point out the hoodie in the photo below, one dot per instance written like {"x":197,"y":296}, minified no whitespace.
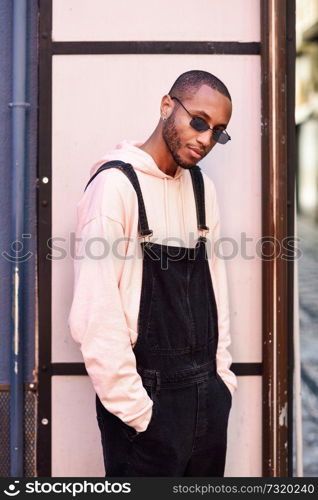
{"x":108,"y":272}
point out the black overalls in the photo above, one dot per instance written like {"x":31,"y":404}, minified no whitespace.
{"x":176,"y":359}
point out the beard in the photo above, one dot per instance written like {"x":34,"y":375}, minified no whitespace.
{"x":173,"y":142}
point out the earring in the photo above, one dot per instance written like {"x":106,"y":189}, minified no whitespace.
{"x":163,"y":118}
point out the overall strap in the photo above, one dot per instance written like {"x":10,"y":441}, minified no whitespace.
{"x":128,"y":170}
{"x":198,"y":188}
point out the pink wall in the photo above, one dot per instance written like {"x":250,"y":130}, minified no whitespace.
{"x":86,"y":91}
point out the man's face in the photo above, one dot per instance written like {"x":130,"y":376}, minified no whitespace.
{"x":186,"y":145}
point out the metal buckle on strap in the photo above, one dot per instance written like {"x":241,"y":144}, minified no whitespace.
{"x":146,"y":237}
{"x":204,"y":229}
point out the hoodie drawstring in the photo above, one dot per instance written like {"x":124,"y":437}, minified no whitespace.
{"x":166,"y":202}
{"x":183,"y":209}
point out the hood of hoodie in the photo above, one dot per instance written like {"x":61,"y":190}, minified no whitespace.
{"x":129,"y":152}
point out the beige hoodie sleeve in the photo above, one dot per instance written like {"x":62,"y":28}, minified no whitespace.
{"x":223,"y":356}
{"x":97,"y":323}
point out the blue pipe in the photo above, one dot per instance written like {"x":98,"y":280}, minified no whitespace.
{"x":19,"y":107}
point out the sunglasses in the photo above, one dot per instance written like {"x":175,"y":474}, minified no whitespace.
{"x":200,"y":125}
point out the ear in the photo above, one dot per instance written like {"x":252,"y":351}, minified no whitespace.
{"x":166,"y":107}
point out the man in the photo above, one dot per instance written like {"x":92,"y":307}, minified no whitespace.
{"x":150,"y":307}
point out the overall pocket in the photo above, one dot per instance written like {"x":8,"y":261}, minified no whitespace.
{"x":224,"y":386}
{"x":131,"y":432}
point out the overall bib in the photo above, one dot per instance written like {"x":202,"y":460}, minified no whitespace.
{"x":176,"y":359}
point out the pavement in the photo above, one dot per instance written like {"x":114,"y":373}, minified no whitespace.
{"x":308,"y":317}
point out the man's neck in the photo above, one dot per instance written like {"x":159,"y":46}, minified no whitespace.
{"x":156,"y":147}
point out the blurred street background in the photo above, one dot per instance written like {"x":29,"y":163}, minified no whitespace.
{"x":307,"y":221}
{"x":308,"y":315}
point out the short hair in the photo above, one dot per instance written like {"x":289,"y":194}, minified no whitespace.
{"x":187,"y":84}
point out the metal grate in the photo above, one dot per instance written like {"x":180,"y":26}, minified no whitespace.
{"x":30,"y":410}
{"x":4,"y":433}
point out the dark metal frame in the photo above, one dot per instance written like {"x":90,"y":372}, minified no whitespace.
{"x":164,"y":47}
{"x":291,"y":186}
{"x":47,"y":49}
{"x":79,"y":369}
{"x":44,"y":211}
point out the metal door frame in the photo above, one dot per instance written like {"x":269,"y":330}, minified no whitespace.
{"x":277,"y":459}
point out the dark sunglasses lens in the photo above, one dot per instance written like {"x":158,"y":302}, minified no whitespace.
{"x":221,"y":136}
{"x":199,"y":124}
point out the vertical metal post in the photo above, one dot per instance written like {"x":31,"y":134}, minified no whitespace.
{"x":275,"y":192}
{"x":291,"y":225}
{"x":19,"y":107}
{"x":44,"y":197}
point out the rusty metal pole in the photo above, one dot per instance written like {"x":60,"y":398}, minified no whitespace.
{"x":275,"y":230}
